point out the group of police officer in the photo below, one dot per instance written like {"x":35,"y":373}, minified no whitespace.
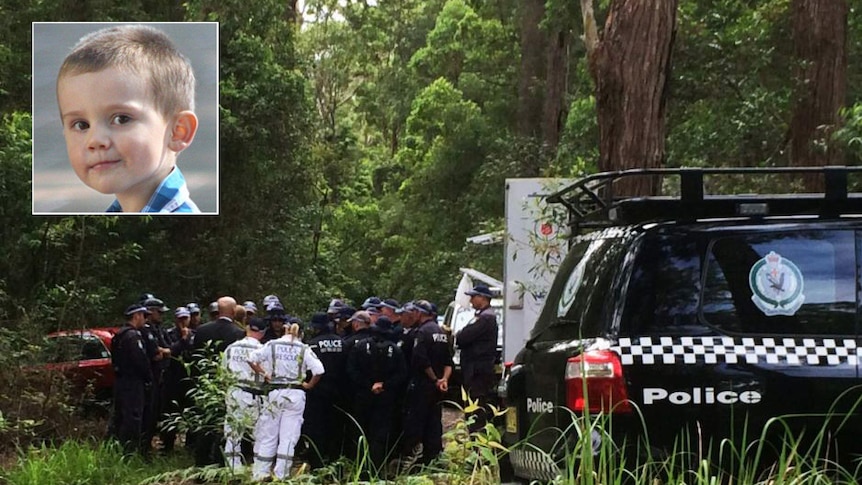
{"x":379,"y":372}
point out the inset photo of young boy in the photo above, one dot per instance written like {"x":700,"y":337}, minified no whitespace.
{"x":125,"y":118}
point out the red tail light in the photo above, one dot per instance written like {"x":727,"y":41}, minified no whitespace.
{"x":595,"y":379}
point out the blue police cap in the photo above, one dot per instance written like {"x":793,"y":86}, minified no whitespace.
{"x":335,"y":306}
{"x":257,"y":324}
{"x":383,"y":323}
{"x":137,"y":307}
{"x":371,"y":302}
{"x":421,"y":306}
{"x":346,"y":312}
{"x":481,"y":290}
{"x":319,"y":321}
{"x":390,"y":303}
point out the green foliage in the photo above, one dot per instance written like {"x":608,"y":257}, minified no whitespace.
{"x":208,"y":395}
{"x":445,"y":145}
{"x":474,"y":54}
{"x":731,"y":84}
{"x":15,"y":163}
{"x":850,"y":135}
{"x":473,"y":456}
{"x":83,"y":462}
{"x":40,"y":405}
{"x":578,"y":149}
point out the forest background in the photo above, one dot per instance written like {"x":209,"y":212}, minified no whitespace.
{"x":362,"y":142}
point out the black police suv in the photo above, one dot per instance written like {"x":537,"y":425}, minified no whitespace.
{"x":694,"y":313}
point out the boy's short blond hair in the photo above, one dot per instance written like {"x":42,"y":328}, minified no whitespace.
{"x":143,"y":50}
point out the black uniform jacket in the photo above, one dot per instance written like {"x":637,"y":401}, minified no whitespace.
{"x":430,"y":350}
{"x":129,"y":356}
{"x":376,"y":359}
{"x":329,"y":348}
{"x":478,"y":340}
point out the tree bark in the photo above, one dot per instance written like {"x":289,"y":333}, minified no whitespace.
{"x":554,"y":111}
{"x":630,"y":65}
{"x":820,"y":45}
{"x":531,"y":73}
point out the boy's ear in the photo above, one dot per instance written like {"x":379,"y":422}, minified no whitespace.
{"x":183,"y":131}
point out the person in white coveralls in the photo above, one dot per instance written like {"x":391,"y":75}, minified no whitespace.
{"x":283,"y":363}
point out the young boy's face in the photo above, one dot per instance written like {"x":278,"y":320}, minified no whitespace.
{"x":115,"y":137}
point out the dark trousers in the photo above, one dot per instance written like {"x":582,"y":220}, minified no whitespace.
{"x":423,"y":419}
{"x":374,"y":414}
{"x":174,"y":399}
{"x":320,"y":425}
{"x":152,"y":409}
{"x":479,"y":383}
{"x":130,"y":397}
{"x":208,"y":448}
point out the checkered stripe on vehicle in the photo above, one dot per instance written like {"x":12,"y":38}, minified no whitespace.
{"x":534,"y":464}
{"x":735,"y":350}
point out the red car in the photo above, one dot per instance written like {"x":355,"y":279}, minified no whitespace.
{"x":84,"y":356}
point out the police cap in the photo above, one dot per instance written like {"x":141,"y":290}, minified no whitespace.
{"x":319,"y":321}
{"x":137,"y":307}
{"x":371,"y":302}
{"x":257,"y":324}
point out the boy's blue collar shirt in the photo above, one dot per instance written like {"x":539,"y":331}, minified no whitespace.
{"x":172,"y":195}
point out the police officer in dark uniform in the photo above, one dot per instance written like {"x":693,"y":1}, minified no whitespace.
{"x":361,"y":325}
{"x":194,"y":316}
{"x":323,"y":419}
{"x":134,"y":378}
{"x":478,"y":344}
{"x":333,"y":311}
{"x":391,"y":309}
{"x":377,"y":370}
{"x":158,"y":351}
{"x":215,"y":336}
{"x":430,"y":368}
{"x":341,"y":321}
{"x":410,"y":320}
{"x":276,"y":318}
{"x":175,"y":378}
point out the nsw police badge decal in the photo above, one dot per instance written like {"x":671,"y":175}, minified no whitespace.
{"x":776,"y":285}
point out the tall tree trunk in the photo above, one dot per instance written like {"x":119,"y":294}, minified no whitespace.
{"x":820,"y":45}
{"x":554,"y":112}
{"x":292,"y":12}
{"x":531,"y":73}
{"x":630,"y":64}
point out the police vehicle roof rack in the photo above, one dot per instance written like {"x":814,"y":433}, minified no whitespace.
{"x":592,"y":204}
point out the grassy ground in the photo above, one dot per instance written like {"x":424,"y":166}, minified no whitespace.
{"x":95,"y":463}
{"x":468,"y":458}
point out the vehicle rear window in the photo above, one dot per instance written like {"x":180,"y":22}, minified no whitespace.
{"x":576,"y":303}
{"x":782,"y":283}
{"x":664,"y":289}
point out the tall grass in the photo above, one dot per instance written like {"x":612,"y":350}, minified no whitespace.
{"x":774,"y":455}
{"x":778,"y":454}
{"x":83,"y":463}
